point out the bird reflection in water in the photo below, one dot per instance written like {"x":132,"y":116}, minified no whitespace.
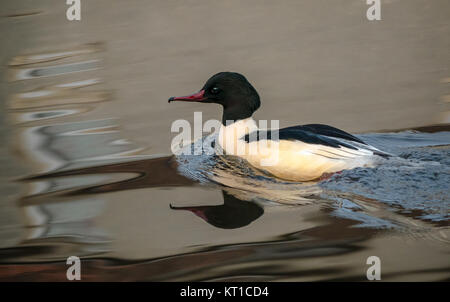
{"x":232,"y":214}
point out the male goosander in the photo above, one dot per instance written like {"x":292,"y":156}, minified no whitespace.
{"x":303,"y":153}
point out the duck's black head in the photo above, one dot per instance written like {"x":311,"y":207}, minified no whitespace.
{"x":231,"y":90}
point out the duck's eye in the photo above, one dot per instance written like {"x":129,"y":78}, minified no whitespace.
{"x":214,"y":90}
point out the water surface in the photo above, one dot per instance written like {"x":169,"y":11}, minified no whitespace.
{"x":86,"y":162}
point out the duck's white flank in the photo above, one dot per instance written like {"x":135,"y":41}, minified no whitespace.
{"x":291,"y":159}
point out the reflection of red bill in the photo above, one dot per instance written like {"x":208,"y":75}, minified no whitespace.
{"x":199,"y":211}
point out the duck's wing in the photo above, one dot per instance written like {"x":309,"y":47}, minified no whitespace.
{"x":326,"y":130}
{"x":323,"y":135}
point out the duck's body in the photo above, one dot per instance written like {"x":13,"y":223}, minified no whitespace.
{"x":298,"y":153}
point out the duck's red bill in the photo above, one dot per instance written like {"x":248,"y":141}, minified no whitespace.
{"x":196,"y":97}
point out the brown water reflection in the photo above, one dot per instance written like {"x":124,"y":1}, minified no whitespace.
{"x":85,"y":132}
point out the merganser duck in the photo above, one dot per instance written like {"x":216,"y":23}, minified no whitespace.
{"x":302,"y":153}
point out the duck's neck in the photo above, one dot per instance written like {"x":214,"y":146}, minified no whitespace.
{"x":243,"y":126}
{"x":230,"y":136}
{"x":235,"y":114}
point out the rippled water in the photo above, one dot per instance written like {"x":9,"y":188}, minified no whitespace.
{"x":255,"y":228}
{"x":76,"y":180}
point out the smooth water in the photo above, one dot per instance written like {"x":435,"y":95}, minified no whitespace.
{"x":87,"y":169}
